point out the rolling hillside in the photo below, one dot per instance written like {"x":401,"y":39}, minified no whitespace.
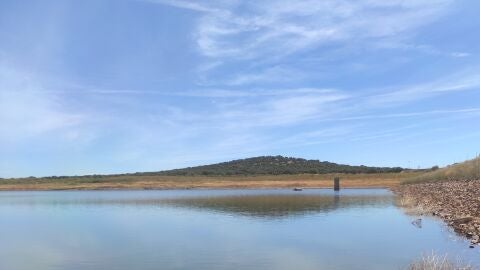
{"x":257,"y":172}
{"x":275,"y":165}
{"x":465,"y":171}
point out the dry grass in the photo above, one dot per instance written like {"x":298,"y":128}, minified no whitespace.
{"x":436,"y":262}
{"x":192,"y":182}
{"x":468,"y":170}
{"x":410,"y":205}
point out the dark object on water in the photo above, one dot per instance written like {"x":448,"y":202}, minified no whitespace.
{"x":417,"y":223}
{"x":471,"y":246}
{"x":297,"y":189}
{"x":336,"y":184}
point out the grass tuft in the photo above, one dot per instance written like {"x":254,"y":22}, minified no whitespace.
{"x":410,"y":205}
{"x":436,"y":262}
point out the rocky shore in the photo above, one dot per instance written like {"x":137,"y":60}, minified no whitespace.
{"x":456,"y":202}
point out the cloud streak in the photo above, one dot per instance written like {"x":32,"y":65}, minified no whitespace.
{"x":27,"y":110}
{"x":466,"y":80}
{"x":284,"y":27}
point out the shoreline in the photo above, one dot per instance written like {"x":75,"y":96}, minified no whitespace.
{"x":457,"y":203}
{"x":199,"y":188}
{"x":305,"y":181}
{"x":227,"y":186}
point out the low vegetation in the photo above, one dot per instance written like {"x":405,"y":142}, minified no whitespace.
{"x":191,"y":182}
{"x":257,"y":172}
{"x":465,"y":171}
{"x":436,"y":262}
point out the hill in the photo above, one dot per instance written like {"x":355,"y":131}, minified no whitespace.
{"x":275,"y":165}
{"x":257,"y":172}
{"x":465,"y":171}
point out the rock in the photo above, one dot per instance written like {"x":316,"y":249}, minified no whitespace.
{"x":462,"y":221}
{"x":456,"y":202}
{"x":475,"y":239}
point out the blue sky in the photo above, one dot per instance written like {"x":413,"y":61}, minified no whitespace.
{"x":110,"y":86}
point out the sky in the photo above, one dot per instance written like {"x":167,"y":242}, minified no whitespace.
{"x":116,"y":86}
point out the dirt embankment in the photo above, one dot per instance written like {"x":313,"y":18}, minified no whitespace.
{"x":457,"y":202}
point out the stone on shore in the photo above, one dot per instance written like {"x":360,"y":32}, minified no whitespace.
{"x":456,"y":202}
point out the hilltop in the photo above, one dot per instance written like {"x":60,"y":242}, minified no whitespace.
{"x":275,"y":165}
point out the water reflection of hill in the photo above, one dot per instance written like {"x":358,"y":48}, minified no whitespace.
{"x":269,"y":205}
{"x":279,"y":205}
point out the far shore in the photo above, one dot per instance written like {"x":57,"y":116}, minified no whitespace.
{"x":132,"y":182}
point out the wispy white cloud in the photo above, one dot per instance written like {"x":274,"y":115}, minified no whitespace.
{"x":467,"y":111}
{"x":323,"y":135}
{"x":189,"y":5}
{"x":282,"y":27}
{"x":226,"y":93}
{"x":264,"y":33}
{"x":276,"y":74}
{"x":279,"y":110}
{"x":27,"y":110}
{"x":29,"y":115}
{"x":272,"y":27}
{"x":199,"y":93}
{"x":400,"y":44}
{"x":460,"y":54}
{"x":464,"y":80}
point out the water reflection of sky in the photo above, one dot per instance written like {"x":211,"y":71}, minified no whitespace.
{"x":265,"y":229}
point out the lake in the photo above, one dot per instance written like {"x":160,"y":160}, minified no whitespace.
{"x":216,"y":229}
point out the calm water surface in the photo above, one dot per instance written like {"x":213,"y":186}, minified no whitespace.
{"x":215,"y":229}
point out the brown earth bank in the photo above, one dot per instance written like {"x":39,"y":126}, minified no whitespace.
{"x":377,"y":180}
{"x":456,"y":202}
